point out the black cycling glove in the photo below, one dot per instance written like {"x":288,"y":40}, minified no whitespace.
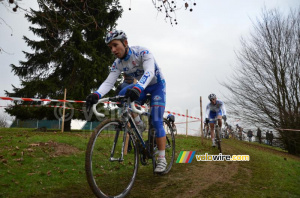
{"x":133,"y":94}
{"x":91,"y":100}
{"x":206,"y":120}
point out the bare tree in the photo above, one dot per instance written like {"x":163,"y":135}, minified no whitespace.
{"x":265,"y":89}
{"x":11,"y":6}
{"x":169,"y":7}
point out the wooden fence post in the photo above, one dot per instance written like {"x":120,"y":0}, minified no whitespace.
{"x":64,"y":111}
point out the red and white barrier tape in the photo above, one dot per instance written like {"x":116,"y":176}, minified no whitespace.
{"x":178,"y":114}
{"x":188,"y":122}
{"x":54,"y":106}
{"x":38,"y":100}
{"x":76,"y":101}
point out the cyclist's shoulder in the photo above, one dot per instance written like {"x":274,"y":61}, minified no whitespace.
{"x":208,"y":105}
{"x":139,"y":50}
{"x":220,"y":102}
{"x":116,"y":63}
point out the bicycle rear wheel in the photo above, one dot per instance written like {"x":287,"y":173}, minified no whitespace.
{"x":107,"y":174}
{"x":170,"y":145}
{"x":218,"y":138}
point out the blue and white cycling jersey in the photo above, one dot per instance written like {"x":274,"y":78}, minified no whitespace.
{"x":213,"y":111}
{"x":140,"y":64}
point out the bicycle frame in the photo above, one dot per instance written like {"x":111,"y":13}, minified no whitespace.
{"x":127,"y":118}
{"x":217,"y":131}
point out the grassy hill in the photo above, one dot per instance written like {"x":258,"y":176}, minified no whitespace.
{"x":50,"y":164}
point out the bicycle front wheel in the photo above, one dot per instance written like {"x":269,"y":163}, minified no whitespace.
{"x":107,"y":173}
{"x":170,"y":145}
{"x":175,"y":129}
{"x":218,"y":137}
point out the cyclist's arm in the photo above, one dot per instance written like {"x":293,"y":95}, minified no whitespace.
{"x":149,"y":69}
{"x":207,"y":111}
{"x":108,"y":84}
{"x":223,"y":108}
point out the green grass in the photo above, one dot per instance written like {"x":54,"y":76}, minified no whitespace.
{"x":40,"y":171}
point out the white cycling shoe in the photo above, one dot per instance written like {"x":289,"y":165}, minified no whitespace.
{"x":213,"y":144}
{"x":161,"y":165}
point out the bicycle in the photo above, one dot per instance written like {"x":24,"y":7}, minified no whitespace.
{"x":110,"y":172}
{"x":217,"y":134}
{"x":173,"y":126}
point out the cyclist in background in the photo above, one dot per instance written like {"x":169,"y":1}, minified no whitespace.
{"x":171,"y":119}
{"x":239,"y":130}
{"x":214,"y":109}
{"x":139,"y":63}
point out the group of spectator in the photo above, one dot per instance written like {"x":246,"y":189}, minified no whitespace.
{"x":239,"y":131}
{"x":269,"y":136}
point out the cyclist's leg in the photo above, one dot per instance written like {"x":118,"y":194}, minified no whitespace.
{"x":219,"y":116}
{"x":212,"y":133}
{"x":157,"y":103}
{"x":212,"y":116}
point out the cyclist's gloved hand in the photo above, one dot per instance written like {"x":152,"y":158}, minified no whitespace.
{"x":206,"y":120}
{"x":224,"y":118}
{"x":91,"y":100}
{"x":133,"y":93}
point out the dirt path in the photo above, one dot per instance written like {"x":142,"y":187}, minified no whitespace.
{"x":197,"y":179}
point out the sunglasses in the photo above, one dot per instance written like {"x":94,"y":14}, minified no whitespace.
{"x":212,"y":99}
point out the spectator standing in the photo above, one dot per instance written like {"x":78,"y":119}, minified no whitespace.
{"x":271,"y":138}
{"x":250,"y":134}
{"x":259,"y":135}
{"x":268,"y":137}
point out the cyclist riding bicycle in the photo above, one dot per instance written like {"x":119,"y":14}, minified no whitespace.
{"x":171,"y":119}
{"x":214,"y":109}
{"x":138,"y":62}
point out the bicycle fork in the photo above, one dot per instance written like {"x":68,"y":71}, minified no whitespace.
{"x":121,"y":158}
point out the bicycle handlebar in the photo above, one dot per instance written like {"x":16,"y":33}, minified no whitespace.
{"x":134,"y":109}
{"x":95,"y":105}
{"x":132,"y":104}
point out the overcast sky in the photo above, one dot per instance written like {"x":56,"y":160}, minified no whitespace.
{"x":195,"y":55}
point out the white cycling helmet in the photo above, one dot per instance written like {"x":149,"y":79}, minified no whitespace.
{"x":212,"y":96}
{"x":115,"y":35}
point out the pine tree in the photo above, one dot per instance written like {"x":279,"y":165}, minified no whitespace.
{"x":71,"y":53}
